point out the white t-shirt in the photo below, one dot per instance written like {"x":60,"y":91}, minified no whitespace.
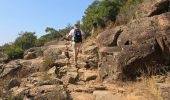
{"x":72,"y":33}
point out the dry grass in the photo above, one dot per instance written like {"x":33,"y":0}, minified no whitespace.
{"x":150,"y":83}
{"x":134,"y":97}
{"x":144,"y":89}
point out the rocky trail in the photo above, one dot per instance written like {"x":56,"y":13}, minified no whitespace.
{"x":60,"y":81}
{"x":34,"y":82}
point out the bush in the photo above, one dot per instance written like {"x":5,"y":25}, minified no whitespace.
{"x":14,"y":52}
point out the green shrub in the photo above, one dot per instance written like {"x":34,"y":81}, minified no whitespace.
{"x":14,"y":52}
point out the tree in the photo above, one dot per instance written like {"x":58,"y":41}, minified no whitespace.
{"x":26,"y":40}
{"x":52,"y":33}
{"x":99,"y":12}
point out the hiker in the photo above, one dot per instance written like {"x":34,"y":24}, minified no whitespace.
{"x":77,"y":35}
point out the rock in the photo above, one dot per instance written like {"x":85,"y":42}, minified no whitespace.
{"x":106,"y":95}
{"x":33,"y":53}
{"x":52,"y":71}
{"x":42,"y":78}
{"x":49,"y":92}
{"x":87,"y":75}
{"x":1,"y":67}
{"x":19,"y":92}
{"x":52,"y":53}
{"x":60,"y":62}
{"x":19,"y":68}
{"x":71,"y":77}
{"x":29,"y":55}
{"x":84,"y":89}
{"x":90,"y":50}
{"x":121,"y":90}
{"x":100,"y":87}
{"x":152,"y":7}
{"x":12,"y":68}
{"x":39,"y":64}
{"x":109,"y":37}
{"x":13,"y":83}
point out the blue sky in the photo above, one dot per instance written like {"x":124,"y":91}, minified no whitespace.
{"x":36,"y":15}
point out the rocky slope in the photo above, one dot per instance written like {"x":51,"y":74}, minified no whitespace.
{"x":141,"y":45}
{"x":121,"y":53}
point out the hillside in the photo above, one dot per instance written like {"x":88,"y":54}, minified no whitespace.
{"x":127,"y":60}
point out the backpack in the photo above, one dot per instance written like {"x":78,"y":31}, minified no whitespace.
{"x":78,"y":36}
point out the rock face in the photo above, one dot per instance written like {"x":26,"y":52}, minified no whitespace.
{"x":141,"y":46}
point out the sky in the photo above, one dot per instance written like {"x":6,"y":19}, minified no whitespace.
{"x":35,"y":15}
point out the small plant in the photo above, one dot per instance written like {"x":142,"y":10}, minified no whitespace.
{"x":151,"y":85}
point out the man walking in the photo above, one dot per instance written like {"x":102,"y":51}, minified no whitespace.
{"x":76,"y":33}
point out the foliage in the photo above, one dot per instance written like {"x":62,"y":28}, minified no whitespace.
{"x":66,"y":30}
{"x":52,"y":35}
{"x":99,"y":12}
{"x":14,"y":52}
{"x":40,"y":41}
{"x":26,"y":40}
{"x":127,"y":11}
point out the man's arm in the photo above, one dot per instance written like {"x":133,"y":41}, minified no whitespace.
{"x":69,"y":35}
